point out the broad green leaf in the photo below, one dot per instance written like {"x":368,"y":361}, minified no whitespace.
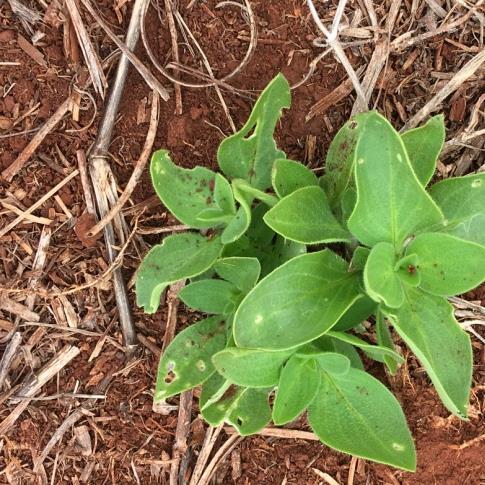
{"x":184,"y":192}
{"x":288,"y":176}
{"x":373,"y":350}
{"x":360,"y":311}
{"x":448,"y":265}
{"x":407,"y":268}
{"x":209,"y":296}
{"x":296,"y":303}
{"x":384,"y":339}
{"x":178,"y":257}
{"x":240,"y":222}
{"x":249,"y":154}
{"x":251,"y":412}
{"x":333,"y":363}
{"x":305,"y":217}
{"x":245,"y":408}
{"x":322,"y":352}
{"x":237,"y":226}
{"x":382,"y":282}
{"x":391,"y":203}
{"x":187,"y":361}
{"x":356,"y":414}
{"x":250,"y":367}
{"x":462,"y":200}
{"x":359,"y":258}
{"x":427,"y":325}
{"x":241,"y":272}
{"x":424,"y":145}
{"x":340,"y":161}
{"x":297,"y":387}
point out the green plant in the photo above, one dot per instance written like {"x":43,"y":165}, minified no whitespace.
{"x":286,"y":314}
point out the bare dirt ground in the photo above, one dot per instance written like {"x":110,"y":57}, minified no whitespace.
{"x":92,"y":420}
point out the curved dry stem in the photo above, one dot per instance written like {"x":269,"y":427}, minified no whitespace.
{"x":213,"y":81}
{"x":334,"y":43}
{"x":95,"y":112}
{"x":137,"y":171}
{"x":311,"y":70}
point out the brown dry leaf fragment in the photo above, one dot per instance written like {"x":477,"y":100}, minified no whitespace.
{"x":31,"y":51}
{"x":83,"y":440}
{"x":95,"y":380}
{"x":83,"y":224}
{"x":5,"y":123}
{"x":458,"y":108}
{"x":7,"y":35}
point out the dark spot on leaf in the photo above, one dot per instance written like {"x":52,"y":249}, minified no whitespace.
{"x":170,"y":377}
{"x":209,"y":200}
{"x":411,"y":269}
{"x":353,"y":125}
{"x":211,"y":184}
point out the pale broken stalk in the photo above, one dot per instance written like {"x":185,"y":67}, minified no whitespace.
{"x":333,"y":42}
{"x":103,"y":179}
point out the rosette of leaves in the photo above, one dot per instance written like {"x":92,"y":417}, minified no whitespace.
{"x":283,"y":333}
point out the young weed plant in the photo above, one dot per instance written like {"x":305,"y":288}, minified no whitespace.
{"x":286,"y":312}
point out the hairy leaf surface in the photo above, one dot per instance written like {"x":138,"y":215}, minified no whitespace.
{"x":288,"y":176}
{"x":462,"y":200}
{"x":249,"y":154}
{"x":305,"y":217}
{"x":244,"y":408}
{"x":333,"y":363}
{"x":178,"y":257}
{"x":250,"y":367}
{"x":391,"y":203}
{"x":298,"y":385}
{"x":241,"y":272}
{"x":427,"y":325}
{"x":381,"y":281}
{"x":187,"y":361}
{"x":240,"y":222}
{"x":423,"y":145}
{"x":184,"y":192}
{"x":377,"y":352}
{"x":296,"y":303}
{"x":340,"y":161}
{"x":209,"y":296}
{"x":356,"y":414}
{"x":448,"y":265}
